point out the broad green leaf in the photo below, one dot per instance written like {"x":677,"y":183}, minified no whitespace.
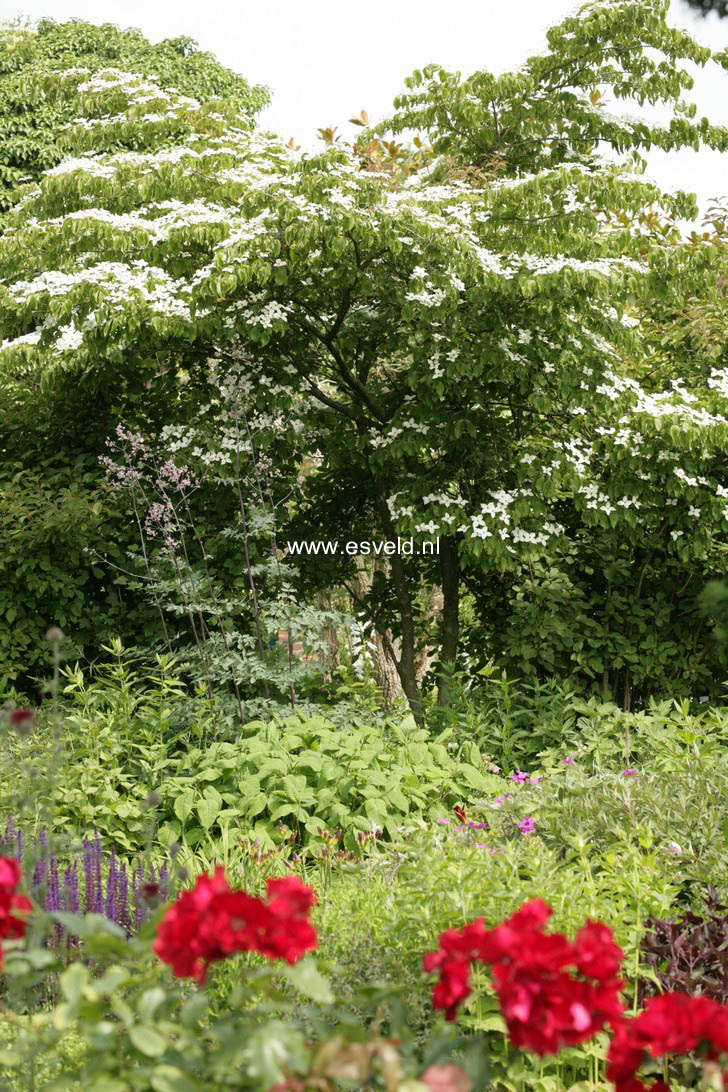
{"x":309,"y":981}
{"x":147,"y":1040}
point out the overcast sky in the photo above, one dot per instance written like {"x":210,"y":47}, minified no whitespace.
{"x":325,"y":60}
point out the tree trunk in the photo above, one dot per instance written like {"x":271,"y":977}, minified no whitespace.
{"x":331,"y":657}
{"x":450,"y":570}
{"x":385,"y":671}
{"x":432,"y":614}
{"x":383,"y":666}
{"x":406,"y":662}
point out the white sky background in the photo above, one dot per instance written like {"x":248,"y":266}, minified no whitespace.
{"x":325,"y":60}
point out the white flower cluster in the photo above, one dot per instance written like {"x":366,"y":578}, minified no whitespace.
{"x":408,"y":425}
{"x":595,"y":499}
{"x":688,"y":479}
{"x":158,"y":290}
{"x":433,"y":298}
{"x":718,"y":381}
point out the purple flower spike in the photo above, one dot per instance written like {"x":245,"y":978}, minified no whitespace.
{"x":123,"y":917}
{"x":110,"y":905}
{"x":140,"y":910}
{"x":53,"y":894}
{"x":164,"y":882}
{"x":89,"y":897}
{"x":71,"y":898}
{"x":98,"y":854}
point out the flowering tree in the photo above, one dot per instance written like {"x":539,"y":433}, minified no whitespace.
{"x":458,"y":338}
{"x":55,"y":510}
{"x":29,"y":124}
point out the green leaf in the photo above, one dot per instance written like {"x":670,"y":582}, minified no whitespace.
{"x":376,"y":809}
{"x":167,"y":1078}
{"x":183,"y":805}
{"x":193,"y":1010}
{"x":309,"y":981}
{"x":72,"y":982}
{"x":150,"y":1001}
{"x":147,"y":1040}
{"x":208,"y":809}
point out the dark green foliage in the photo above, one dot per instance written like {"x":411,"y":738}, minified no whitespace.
{"x":706,"y":7}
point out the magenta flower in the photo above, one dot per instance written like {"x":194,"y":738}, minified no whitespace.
{"x":519,"y":776}
{"x":628,"y":773}
{"x":442,"y":820}
{"x":568,"y":761}
{"x":527,"y":826}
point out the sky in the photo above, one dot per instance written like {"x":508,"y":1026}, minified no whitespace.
{"x":326,"y":60}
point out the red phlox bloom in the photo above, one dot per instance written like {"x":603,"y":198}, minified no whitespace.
{"x":453,"y":987}
{"x":597,"y":955}
{"x":12,"y":926}
{"x":674,"y":1023}
{"x":10,"y":874}
{"x":456,"y":950}
{"x":211,"y":922}
{"x":544,"y":1007}
{"x":14,"y":908}
{"x":545,"y":1011}
{"x":288,"y":897}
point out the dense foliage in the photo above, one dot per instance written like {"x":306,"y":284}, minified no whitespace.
{"x":278,"y":814}
{"x":490,"y":285}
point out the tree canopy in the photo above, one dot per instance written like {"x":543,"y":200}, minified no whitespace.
{"x":31,"y":115}
{"x":460,"y":339}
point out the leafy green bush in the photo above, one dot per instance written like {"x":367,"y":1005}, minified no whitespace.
{"x":307,"y":776}
{"x":134,"y":730}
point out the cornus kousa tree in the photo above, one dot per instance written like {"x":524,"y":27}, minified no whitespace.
{"x":54,"y":500}
{"x":460,"y":340}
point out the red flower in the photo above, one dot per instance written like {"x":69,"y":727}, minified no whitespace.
{"x":10,"y":874}
{"x":457,"y":949}
{"x":14,"y":908}
{"x":545,"y":1011}
{"x":674,"y":1023}
{"x":211,"y":921}
{"x":544,"y":1007}
{"x":597,"y":956}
